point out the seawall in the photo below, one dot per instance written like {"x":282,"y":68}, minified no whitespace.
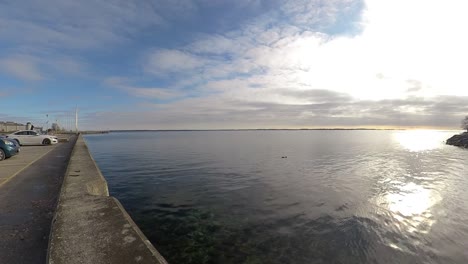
{"x":89,"y":225}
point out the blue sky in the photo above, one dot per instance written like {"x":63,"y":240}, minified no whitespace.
{"x":208,"y":64}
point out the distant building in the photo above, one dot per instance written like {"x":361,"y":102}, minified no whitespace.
{"x":10,"y":126}
{"x":55,"y":127}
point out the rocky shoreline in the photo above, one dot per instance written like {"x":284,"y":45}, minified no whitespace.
{"x":460,"y":140}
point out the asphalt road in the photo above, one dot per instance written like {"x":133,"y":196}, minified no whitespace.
{"x":29,"y":188}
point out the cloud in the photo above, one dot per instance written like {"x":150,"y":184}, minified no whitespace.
{"x":218,"y":45}
{"x":69,"y":25}
{"x":42,"y":67}
{"x":334,"y":110}
{"x":310,"y":69}
{"x":22,"y":67}
{"x":89,"y":24}
{"x":385,"y":60}
{"x":414,"y":86}
{"x":251,"y":63}
{"x":165,"y":61}
{"x":261,"y":43}
{"x":175,"y":9}
{"x":68,"y":65}
{"x":142,"y":92}
{"x":152,"y":93}
{"x":335,"y":16}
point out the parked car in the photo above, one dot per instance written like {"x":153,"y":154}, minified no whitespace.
{"x":8,"y":148}
{"x":29,"y":137}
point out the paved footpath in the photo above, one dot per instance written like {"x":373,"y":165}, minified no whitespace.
{"x":29,"y":186}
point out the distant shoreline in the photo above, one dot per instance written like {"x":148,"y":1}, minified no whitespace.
{"x":252,"y":129}
{"x":271,"y":129}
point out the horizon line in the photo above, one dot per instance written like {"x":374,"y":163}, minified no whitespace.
{"x":261,"y":129}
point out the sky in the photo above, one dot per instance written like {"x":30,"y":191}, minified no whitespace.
{"x":213,"y":64}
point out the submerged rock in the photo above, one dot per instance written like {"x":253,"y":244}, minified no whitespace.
{"x":460,"y":140}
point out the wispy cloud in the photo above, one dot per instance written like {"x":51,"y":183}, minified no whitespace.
{"x":70,"y":24}
{"x":22,"y":67}
{"x":335,"y":16}
{"x":42,"y":67}
{"x":142,"y":92}
{"x":164,"y":61}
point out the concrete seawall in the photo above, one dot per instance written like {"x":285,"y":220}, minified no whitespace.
{"x":89,"y":225}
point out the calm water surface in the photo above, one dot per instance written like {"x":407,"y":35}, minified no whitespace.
{"x":338,"y":197}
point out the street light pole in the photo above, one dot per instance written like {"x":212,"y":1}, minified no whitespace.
{"x":76,"y":119}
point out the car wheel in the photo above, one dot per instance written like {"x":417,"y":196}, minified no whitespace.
{"x":17,"y":141}
{"x":46,"y":141}
{"x":2,"y":154}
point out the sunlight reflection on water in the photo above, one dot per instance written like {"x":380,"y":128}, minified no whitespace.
{"x":420,"y":140}
{"x":340,"y":196}
{"x":412,"y":206}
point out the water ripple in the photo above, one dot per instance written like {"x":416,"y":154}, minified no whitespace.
{"x":338,"y":197}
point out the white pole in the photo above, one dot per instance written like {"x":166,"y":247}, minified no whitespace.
{"x":76,"y":119}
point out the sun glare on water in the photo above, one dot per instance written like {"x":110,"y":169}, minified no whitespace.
{"x":419,"y":140}
{"x":411,"y":206}
{"x":409,"y":202}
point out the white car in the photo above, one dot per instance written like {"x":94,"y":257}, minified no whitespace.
{"x":29,"y":137}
